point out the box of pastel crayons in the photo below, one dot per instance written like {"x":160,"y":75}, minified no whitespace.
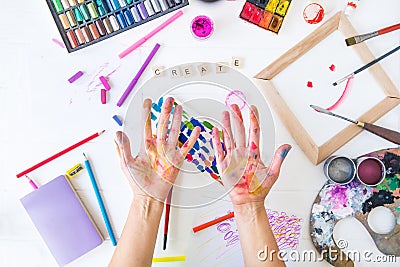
{"x":85,"y":22}
{"x":267,"y":14}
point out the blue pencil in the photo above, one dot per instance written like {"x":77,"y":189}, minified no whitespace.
{"x":100,"y":201}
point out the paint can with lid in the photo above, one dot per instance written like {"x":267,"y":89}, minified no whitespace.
{"x":340,"y":169}
{"x":371,"y":171}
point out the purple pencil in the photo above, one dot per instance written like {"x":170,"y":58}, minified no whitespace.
{"x":140,"y":72}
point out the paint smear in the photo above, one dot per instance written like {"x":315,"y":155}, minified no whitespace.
{"x":58,"y":42}
{"x":332,"y":67}
{"x":310,"y":84}
{"x":93,"y":86}
{"x":344,"y":95}
{"x":236,"y":97}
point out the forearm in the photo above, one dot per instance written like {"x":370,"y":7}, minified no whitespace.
{"x":255,"y":235}
{"x":137,"y":242}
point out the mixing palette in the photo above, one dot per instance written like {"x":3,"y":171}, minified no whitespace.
{"x":336,"y":202}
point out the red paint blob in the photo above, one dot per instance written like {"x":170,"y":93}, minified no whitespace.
{"x":309,"y":84}
{"x":332,"y":67}
{"x":253,"y":145}
{"x":370,"y":171}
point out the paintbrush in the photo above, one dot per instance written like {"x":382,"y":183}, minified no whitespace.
{"x":367,"y":65}
{"x":362,"y":37}
{"x":385,"y":133}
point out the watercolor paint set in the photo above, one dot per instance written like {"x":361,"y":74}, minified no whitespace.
{"x":82,"y":23}
{"x":267,"y":14}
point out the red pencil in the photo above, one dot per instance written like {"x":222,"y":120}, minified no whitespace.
{"x":59,"y":154}
{"x":166,"y":220}
{"x":215,"y":221}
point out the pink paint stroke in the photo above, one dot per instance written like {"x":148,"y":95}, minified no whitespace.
{"x":58,"y":42}
{"x":95,"y":78}
{"x":344,"y":94}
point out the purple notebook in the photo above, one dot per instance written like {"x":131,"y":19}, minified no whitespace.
{"x":62,"y":220}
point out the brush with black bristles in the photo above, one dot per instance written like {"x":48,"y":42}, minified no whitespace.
{"x":367,"y":65}
{"x":385,"y":133}
{"x":362,"y":37}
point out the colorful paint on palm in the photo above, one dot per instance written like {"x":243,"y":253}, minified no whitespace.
{"x":202,"y":154}
{"x":336,"y":202}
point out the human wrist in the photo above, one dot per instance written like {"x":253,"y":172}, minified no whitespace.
{"x":250,"y":209}
{"x":147,"y":205}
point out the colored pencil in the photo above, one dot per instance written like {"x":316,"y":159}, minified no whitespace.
{"x":140,"y":72}
{"x":59,"y":154}
{"x":100,"y":201}
{"x":367,"y":65}
{"x":170,"y":259}
{"x":151,"y":34}
{"x":32,"y":183}
{"x":362,"y":37}
{"x":166,"y":219}
{"x":213,"y":222}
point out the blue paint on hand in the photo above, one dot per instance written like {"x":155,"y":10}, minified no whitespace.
{"x":285,"y":152}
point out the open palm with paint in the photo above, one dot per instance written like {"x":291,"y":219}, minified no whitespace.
{"x":243,"y":173}
{"x":248,"y":181}
{"x":154,"y":170}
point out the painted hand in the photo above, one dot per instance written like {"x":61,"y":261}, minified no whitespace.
{"x":153,"y":171}
{"x":244,"y":175}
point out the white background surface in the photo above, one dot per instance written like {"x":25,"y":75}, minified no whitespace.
{"x":40,"y":114}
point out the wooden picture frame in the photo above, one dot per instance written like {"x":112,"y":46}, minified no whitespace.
{"x":264,"y":80}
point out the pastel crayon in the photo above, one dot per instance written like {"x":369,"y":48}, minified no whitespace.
{"x":105,"y":83}
{"x":114,"y":23}
{"x":107,"y":25}
{"x":72,"y":39}
{"x":143,"y":11}
{"x":92,"y":10}
{"x":100,"y":26}
{"x":75,"y":77}
{"x":78,"y":15}
{"x":117,"y":120}
{"x":85,"y":12}
{"x":86,"y":34}
{"x":57,"y":5}
{"x":128,"y":17}
{"x":149,"y":8}
{"x":121,"y":20}
{"x":93,"y":30}
{"x":135,"y":14}
{"x":103,"y":96}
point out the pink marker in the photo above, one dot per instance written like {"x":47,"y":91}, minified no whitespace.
{"x":103,"y":93}
{"x":105,"y":82}
{"x":32,"y":183}
{"x":148,"y":36}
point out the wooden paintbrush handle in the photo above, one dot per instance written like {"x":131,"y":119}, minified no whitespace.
{"x":385,"y":133}
{"x":389,"y":29}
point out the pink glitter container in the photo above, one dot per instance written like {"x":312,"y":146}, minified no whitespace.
{"x":202,"y":27}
